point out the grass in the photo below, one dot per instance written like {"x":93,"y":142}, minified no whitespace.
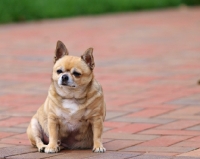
{"x":25,"y":10}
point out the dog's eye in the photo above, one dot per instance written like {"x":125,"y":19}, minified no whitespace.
{"x":59,"y":71}
{"x":76,"y":74}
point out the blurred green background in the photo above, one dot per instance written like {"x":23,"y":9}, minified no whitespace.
{"x":25,"y":10}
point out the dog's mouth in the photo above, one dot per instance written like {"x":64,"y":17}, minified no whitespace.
{"x":68,"y":85}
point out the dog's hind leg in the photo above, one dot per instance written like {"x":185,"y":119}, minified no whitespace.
{"x":35,"y":135}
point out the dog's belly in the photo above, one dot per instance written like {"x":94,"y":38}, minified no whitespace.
{"x":73,"y":132}
{"x":79,"y":135}
{"x":69,"y":139}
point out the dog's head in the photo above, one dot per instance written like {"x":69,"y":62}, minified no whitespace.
{"x":71,"y":72}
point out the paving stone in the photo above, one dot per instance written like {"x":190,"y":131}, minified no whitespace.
{"x":149,"y":113}
{"x":15,"y":141}
{"x":164,"y":141}
{"x":114,"y":124}
{"x":14,"y":121}
{"x":151,"y":157}
{"x":15,"y":150}
{"x":74,"y":155}
{"x":191,"y":100}
{"x":113,"y":155}
{"x":126,"y":136}
{"x":13,"y":129}
{"x":114,"y":114}
{"x":133,"y":128}
{"x":20,"y":136}
{"x":194,"y":128}
{"x":89,"y":154}
{"x":120,"y":144}
{"x":33,"y":155}
{"x":2,"y":117}
{"x":194,"y":153}
{"x":188,"y":144}
{"x":23,"y":125}
{"x":157,"y":149}
{"x":5,"y":145}
{"x":180,"y":124}
{"x":196,"y":138}
{"x":187,"y":157}
{"x":18,"y":114}
{"x":163,"y":153}
{"x":106,"y":129}
{"x":106,"y":140}
{"x":171,"y":132}
{"x":142,"y":120}
{"x":5,"y":134}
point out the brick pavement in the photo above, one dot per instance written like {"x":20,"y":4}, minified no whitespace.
{"x":147,"y":62}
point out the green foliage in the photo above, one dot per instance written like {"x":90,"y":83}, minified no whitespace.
{"x":23,"y":10}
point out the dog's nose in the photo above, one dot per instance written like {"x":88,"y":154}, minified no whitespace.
{"x":65,"y":78}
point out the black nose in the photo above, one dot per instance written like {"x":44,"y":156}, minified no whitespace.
{"x":65,"y":78}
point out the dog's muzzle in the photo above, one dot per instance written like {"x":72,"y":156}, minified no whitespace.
{"x":65,"y":79}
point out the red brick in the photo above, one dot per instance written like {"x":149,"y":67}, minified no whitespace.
{"x":164,"y":153}
{"x":14,"y":121}
{"x":2,"y":117}
{"x":196,"y":139}
{"x":133,"y":128}
{"x":178,"y":125}
{"x":126,"y":136}
{"x":142,"y":120}
{"x":147,"y":149}
{"x":184,"y":113}
{"x":106,"y":128}
{"x":13,"y":129}
{"x":194,"y":153}
{"x":114,"y":114}
{"x":20,"y":136}
{"x":148,"y":105}
{"x":164,"y":141}
{"x":14,"y":141}
{"x":188,"y":144}
{"x":14,"y":150}
{"x":21,"y":100}
{"x":5,"y":134}
{"x":114,"y":124}
{"x":34,"y":155}
{"x":120,"y":144}
{"x":106,"y":140}
{"x":5,"y":145}
{"x":23,"y":125}
{"x":171,"y":132}
{"x":149,"y":113}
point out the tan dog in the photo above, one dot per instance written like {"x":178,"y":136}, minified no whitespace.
{"x":74,"y":110}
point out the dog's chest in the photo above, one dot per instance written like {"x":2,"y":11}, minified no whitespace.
{"x":69,"y":120}
{"x":70,"y":105}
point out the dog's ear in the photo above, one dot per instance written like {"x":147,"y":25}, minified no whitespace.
{"x":61,"y":51}
{"x":88,"y":58}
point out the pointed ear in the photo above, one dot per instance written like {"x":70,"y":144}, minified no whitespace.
{"x":61,"y":51}
{"x":88,"y":58}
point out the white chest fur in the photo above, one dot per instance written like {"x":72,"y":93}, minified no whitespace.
{"x":67,"y":121}
{"x":71,"y":105}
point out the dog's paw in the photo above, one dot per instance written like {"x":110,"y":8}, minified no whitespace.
{"x":99,"y":149}
{"x":52,"y":149}
{"x":41,"y":147}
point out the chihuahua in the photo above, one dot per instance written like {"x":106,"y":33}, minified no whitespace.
{"x":73,"y":113}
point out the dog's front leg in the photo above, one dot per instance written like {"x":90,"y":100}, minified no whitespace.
{"x":97,"y":128}
{"x":53,"y":146}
